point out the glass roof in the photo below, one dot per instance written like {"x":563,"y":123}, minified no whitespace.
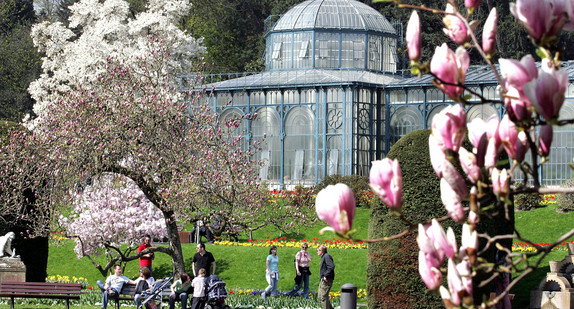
{"x":333,"y":14}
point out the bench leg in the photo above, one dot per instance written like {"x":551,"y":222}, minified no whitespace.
{"x":67,"y":304}
{"x":11,"y":302}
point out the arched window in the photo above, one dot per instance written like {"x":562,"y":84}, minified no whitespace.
{"x":268,"y":124}
{"x":299,"y":145}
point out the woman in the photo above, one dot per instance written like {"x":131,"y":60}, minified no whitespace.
{"x":272,"y":272}
{"x":302,"y":260}
{"x":145,"y":275}
{"x":179,"y":291}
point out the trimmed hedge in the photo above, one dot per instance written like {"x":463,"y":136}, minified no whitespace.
{"x":358,"y":184}
{"x":566,"y":200}
{"x":393,"y":280}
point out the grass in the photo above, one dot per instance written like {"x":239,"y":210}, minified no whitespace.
{"x":540,"y":225}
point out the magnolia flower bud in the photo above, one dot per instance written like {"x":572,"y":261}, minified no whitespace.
{"x":336,"y":206}
{"x":489,"y":32}
{"x":431,"y":276}
{"x":449,"y":127}
{"x":387,"y":182}
{"x":545,"y":140}
{"x":455,"y":27}
{"x":413,"y":37}
{"x":500,"y":182}
{"x":451,"y":68}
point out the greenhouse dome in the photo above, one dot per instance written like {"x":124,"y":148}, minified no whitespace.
{"x":332,"y":34}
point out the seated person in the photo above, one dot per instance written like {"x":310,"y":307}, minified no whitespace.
{"x":179,"y":291}
{"x":145,"y":275}
{"x":203,"y":231}
{"x":113,"y":285}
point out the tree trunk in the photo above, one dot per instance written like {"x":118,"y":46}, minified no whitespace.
{"x":174,"y":245}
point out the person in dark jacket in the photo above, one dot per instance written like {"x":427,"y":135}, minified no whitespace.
{"x":326,"y":277}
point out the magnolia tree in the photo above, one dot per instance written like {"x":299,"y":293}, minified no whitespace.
{"x":532,"y":96}
{"x":107,"y":214}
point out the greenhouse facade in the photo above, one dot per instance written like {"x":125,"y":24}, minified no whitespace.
{"x":331,"y":99}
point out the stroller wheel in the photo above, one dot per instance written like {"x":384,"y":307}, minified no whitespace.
{"x":207,"y":306}
{"x":226,"y":307}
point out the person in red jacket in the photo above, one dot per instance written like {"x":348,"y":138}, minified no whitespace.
{"x":145,"y":260}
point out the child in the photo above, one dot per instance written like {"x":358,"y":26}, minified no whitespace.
{"x":198,"y":285}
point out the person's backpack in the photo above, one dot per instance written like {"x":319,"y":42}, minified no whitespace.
{"x":141,"y":286}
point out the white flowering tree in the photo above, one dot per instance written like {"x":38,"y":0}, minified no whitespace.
{"x":109,"y":218}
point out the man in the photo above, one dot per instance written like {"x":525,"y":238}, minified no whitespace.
{"x":203,"y":231}
{"x":113,"y":285}
{"x":203,"y":259}
{"x":326,"y":277}
{"x":145,"y":260}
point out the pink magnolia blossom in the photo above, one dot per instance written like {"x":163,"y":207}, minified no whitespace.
{"x":514,"y":142}
{"x":469,"y":164}
{"x":451,"y":201}
{"x":545,"y":140}
{"x":413,"y":37}
{"x":536,"y":16}
{"x":450,"y":67}
{"x":444,"y":243}
{"x":449,"y":127}
{"x":336,"y":206}
{"x":548,"y":91}
{"x":469,"y":241}
{"x":455,"y":285}
{"x":500,"y":182}
{"x":517,"y":73}
{"x":455,"y":28}
{"x":517,"y":105}
{"x":494,"y":146}
{"x":464,"y":270}
{"x":451,"y":175}
{"x":478,"y":138}
{"x":431,"y":276}
{"x":472,"y":4}
{"x":386,"y":180}
{"x":433,"y":257}
{"x":437,"y":155}
{"x":489,"y":32}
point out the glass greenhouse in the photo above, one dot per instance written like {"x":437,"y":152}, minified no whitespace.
{"x":331,"y":100}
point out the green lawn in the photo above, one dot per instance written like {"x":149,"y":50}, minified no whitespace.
{"x":542,"y":225}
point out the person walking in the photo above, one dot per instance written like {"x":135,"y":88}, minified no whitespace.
{"x":326,"y":277}
{"x":302,"y":260}
{"x":271,"y":273}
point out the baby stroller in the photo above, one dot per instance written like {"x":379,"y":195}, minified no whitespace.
{"x":149,"y":296}
{"x":215,"y":293}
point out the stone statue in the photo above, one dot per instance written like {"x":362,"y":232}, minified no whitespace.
{"x":6,"y":245}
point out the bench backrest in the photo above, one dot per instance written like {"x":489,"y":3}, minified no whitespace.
{"x":130,"y":289}
{"x":40,"y":288}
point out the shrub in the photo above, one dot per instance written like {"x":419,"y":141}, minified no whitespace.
{"x":566,"y":200}
{"x":526,"y":201}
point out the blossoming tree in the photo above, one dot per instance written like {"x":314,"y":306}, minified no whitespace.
{"x":532,"y":96}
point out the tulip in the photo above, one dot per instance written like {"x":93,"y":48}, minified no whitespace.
{"x":469,"y":165}
{"x":414,"y":37}
{"x":432,"y":277}
{"x":535,"y":15}
{"x":472,"y":4}
{"x":451,"y":68}
{"x":451,"y":201}
{"x":500,"y":181}
{"x":455,"y":28}
{"x":489,"y":32}
{"x":548,"y":91}
{"x":386,"y":180}
{"x":545,"y":140}
{"x":336,"y":206}
{"x":449,"y":127}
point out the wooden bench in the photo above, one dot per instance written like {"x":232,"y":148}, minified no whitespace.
{"x":65,"y":291}
{"x":128,"y":293}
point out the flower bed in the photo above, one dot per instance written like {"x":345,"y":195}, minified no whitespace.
{"x":337,"y":243}
{"x":524,"y":247}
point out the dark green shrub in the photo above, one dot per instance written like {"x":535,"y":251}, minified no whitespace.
{"x":393,"y":280}
{"x":566,"y":200}
{"x":526,"y":201}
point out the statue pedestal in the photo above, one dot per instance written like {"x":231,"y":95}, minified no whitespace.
{"x":12,"y":269}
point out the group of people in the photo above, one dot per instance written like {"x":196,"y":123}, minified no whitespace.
{"x":302,"y":260}
{"x":203,"y":264}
